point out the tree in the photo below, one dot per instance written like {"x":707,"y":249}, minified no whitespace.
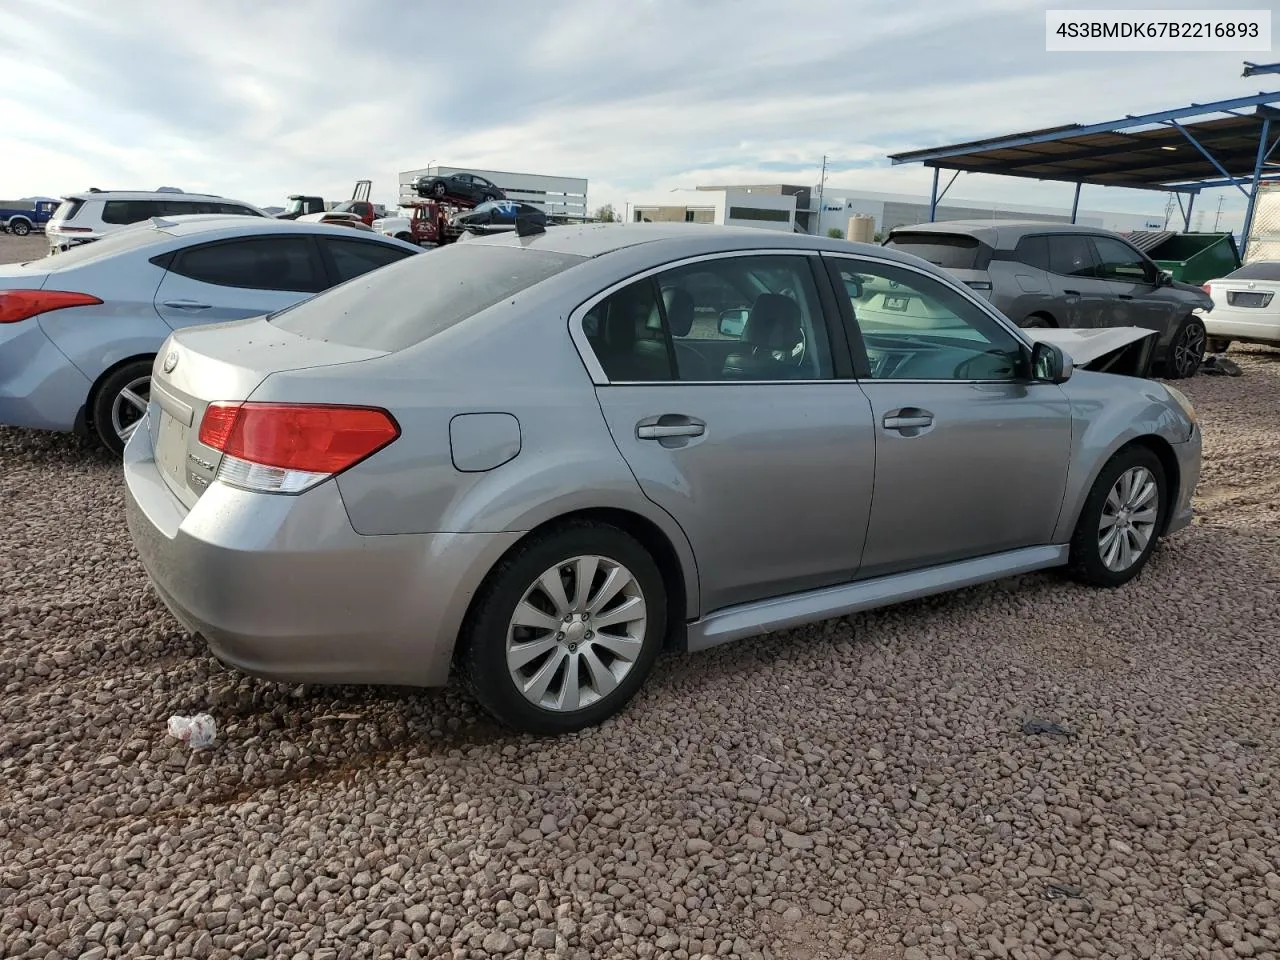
{"x":606,"y":213}
{"x":835,"y":233}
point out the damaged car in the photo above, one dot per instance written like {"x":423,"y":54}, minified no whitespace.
{"x":557,"y":454}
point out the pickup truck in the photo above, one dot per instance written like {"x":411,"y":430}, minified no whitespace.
{"x":20,"y":217}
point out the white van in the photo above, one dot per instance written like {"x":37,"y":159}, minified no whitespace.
{"x":92,"y":215}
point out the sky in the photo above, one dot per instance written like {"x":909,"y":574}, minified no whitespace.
{"x":257,"y":100}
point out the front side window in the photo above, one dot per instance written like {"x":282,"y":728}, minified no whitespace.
{"x":269,"y":263}
{"x":1119,"y":261}
{"x":731,"y":319}
{"x":915,"y":327}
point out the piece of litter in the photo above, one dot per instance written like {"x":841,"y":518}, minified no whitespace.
{"x":341,"y":716}
{"x":198,"y":732}
{"x":1047,"y":727}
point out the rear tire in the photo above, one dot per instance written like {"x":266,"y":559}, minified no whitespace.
{"x":1217,"y":345}
{"x":1121,"y":519}
{"x":439,"y":190}
{"x":1036,"y":321}
{"x":573,"y":660}
{"x":120,"y":404}
{"x":20,"y":229}
{"x":1186,"y":352}
{"x":406,"y":237}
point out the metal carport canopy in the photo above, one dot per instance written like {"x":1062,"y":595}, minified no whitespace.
{"x":1227,"y":145}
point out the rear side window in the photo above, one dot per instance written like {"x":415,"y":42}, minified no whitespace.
{"x":354,"y":258}
{"x":236,"y":209}
{"x":68,"y":209}
{"x":1033,"y":251}
{"x":270,"y":263}
{"x":1071,"y":256}
{"x":121,"y":212}
{"x":411,"y":301}
{"x":951,"y":251}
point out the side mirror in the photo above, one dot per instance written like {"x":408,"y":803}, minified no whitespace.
{"x":1049,"y":364}
{"x":1164,"y":278}
{"x":733,"y":322}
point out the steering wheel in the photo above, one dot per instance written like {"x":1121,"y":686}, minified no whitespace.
{"x":794,"y":357}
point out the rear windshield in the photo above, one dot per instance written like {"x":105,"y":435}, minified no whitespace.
{"x":1258,"y":270}
{"x":405,"y":303}
{"x":68,"y":209}
{"x":951,"y":251}
{"x":110,"y":245}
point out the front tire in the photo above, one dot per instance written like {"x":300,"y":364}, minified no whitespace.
{"x":1186,"y":352}
{"x":1121,"y":519}
{"x":120,"y":404}
{"x":565,"y":629}
{"x":1037,"y":321}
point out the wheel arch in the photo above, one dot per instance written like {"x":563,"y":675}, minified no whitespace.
{"x":1163,"y":451}
{"x":102,"y":379}
{"x":675,"y":577}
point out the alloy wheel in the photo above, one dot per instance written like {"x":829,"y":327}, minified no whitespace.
{"x":130,"y":406}
{"x":1188,"y":350}
{"x":1128,"y":519}
{"x":576,"y":633}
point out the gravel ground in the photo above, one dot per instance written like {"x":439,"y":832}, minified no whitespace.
{"x":862,"y":788}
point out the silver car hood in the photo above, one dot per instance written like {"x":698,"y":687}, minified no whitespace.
{"x":1089,"y":345}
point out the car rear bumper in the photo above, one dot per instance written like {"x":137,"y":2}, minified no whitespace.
{"x":39,"y":386}
{"x":283,"y":588}
{"x":1188,"y":455}
{"x":1242,"y":324}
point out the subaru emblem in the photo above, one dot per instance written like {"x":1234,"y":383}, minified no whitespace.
{"x":170,"y":361}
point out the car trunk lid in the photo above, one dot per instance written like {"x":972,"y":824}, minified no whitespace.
{"x":1243,"y":293}
{"x":201,"y":365}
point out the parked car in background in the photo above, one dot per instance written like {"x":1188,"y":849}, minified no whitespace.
{"x":79,"y":331}
{"x":465,"y":187}
{"x":21,"y":217}
{"x":1043,"y":274}
{"x":543,"y":458}
{"x":89,"y":216}
{"x":498,"y":216}
{"x":362,"y":210}
{"x":1245,"y":307}
{"x":336,"y":218}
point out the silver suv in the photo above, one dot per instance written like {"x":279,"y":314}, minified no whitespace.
{"x":1042,"y":274}
{"x":83,"y":217}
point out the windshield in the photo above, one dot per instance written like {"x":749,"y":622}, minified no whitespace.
{"x":294,"y":206}
{"x":130,"y":238}
{"x":407,"y":302}
{"x":1258,"y":270}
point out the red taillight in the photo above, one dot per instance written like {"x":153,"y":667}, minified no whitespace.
{"x":1207,"y":288}
{"x":317,"y":439}
{"x":18,"y":305}
{"x":75,"y":229}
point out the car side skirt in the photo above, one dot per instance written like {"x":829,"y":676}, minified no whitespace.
{"x":780,"y":613}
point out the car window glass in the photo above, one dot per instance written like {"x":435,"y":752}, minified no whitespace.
{"x":271,"y":263}
{"x":120,"y":212}
{"x":351,"y":258}
{"x":730,"y":319}
{"x":1071,"y":256}
{"x":915,"y":327}
{"x":1033,"y":251}
{"x":1117,"y":261}
{"x":951,"y":251}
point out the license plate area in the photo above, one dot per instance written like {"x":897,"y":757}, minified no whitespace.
{"x":898,"y":304}
{"x":171,"y":449}
{"x":1237,"y":298}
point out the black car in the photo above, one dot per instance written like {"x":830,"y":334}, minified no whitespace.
{"x":463,"y":187}
{"x":1042,"y":274}
{"x":499,"y":216}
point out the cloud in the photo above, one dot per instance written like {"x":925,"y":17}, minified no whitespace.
{"x":257,"y":101}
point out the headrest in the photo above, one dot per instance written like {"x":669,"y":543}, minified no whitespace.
{"x":774,"y":322}
{"x":626,"y":308}
{"x":679,"y":304}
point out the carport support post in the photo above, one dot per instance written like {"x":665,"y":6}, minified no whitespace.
{"x":933,"y":196}
{"x":1186,"y":214}
{"x":1075,"y":203}
{"x":1253,"y":192}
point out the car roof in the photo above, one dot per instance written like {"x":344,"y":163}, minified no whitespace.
{"x":214,"y":226}
{"x":596,"y":239}
{"x":146,"y":195}
{"x":1001,"y":231}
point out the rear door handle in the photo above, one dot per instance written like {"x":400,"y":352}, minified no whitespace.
{"x":1072,"y":293}
{"x":186,"y":305}
{"x":907,"y":419}
{"x":1125,"y":296}
{"x":669,"y":425}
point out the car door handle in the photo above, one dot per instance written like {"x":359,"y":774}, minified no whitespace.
{"x":907,"y":419}
{"x":186,"y":305}
{"x":1125,"y":296}
{"x":669,"y":425}
{"x":1072,"y":293}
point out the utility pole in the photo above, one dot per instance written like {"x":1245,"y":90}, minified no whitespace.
{"x":1168,"y":211}
{"x":1218,"y":215}
{"x":822,"y":182}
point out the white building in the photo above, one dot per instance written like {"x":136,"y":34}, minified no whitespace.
{"x":896,"y":210}
{"x":732,"y":206}
{"x":558,"y":195}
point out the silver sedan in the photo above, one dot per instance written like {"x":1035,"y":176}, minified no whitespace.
{"x":544,"y":458}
